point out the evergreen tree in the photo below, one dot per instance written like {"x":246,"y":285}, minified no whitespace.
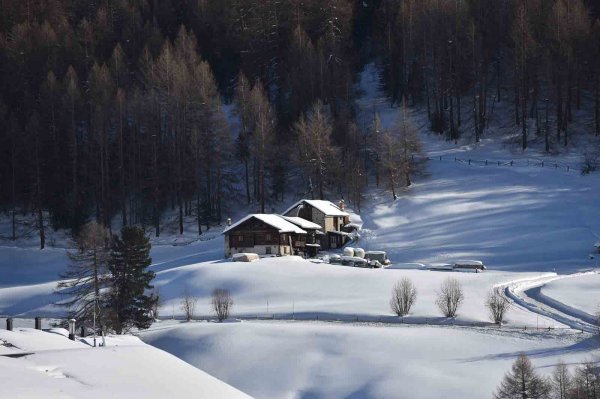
{"x":128,"y":303}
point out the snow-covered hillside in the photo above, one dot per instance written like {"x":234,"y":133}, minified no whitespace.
{"x":577,"y":292}
{"x":55,"y":367}
{"x":317,"y":360}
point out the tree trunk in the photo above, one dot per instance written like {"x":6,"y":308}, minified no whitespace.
{"x":247,"y":181}
{"x":597,"y":95}
{"x":122,"y":169}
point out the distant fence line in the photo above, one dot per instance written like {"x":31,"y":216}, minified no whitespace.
{"x":383,"y":320}
{"x":512,"y":163}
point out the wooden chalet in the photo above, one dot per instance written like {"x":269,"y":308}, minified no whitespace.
{"x":270,"y":234}
{"x":330,"y":217}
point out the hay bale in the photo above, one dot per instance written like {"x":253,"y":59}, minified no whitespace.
{"x":245,"y":257}
{"x":359,"y":252}
{"x":348,"y":251}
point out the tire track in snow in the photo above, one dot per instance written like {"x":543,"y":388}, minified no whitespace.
{"x":526,"y":294}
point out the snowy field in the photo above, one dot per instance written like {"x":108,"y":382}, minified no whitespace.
{"x":55,"y":367}
{"x":320,"y":360}
{"x":580,"y":292}
{"x":293,"y":286}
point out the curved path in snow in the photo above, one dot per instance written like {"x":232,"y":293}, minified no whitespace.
{"x":527,"y":294}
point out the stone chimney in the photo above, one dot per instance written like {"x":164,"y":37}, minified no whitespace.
{"x":341,"y":204}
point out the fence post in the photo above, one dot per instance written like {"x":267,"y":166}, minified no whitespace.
{"x":469,"y":162}
{"x":82,"y":332}
{"x":9,"y":324}
{"x":511,"y":163}
{"x":486,"y":162}
{"x":72,"y":329}
{"x":38,"y":323}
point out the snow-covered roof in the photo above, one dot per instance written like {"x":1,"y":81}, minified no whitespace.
{"x":302,"y":223}
{"x":326,"y":207}
{"x":469,"y":262}
{"x":275,"y":221}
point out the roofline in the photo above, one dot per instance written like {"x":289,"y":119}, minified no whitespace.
{"x":305,"y":200}
{"x":254,"y":215}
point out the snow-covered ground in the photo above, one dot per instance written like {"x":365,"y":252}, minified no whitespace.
{"x":294,"y":286}
{"x":55,"y":367}
{"x":320,"y":360}
{"x":579,"y":292}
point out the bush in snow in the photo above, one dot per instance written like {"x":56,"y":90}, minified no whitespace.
{"x":221,"y":303}
{"x":523,"y":382}
{"x":450,"y":297}
{"x":404,"y":295}
{"x":188,"y":304}
{"x":497,"y":305}
{"x":157,"y":303}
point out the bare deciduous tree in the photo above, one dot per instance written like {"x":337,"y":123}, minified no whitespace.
{"x":221,"y":303}
{"x":497,"y":305}
{"x":561,"y":381}
{"x":87,"y":273}
{"x":188,"y":304}
{"x":450,"y":297}
{"x":157,"y":303}
{"x":404,"y":295}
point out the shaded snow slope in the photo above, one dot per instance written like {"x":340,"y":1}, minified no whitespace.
{"x":59,"y":368}
{"x":316,"y":360}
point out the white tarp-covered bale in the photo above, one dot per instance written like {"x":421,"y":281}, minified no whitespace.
{"x":245,"y":257}
{"x":359,"y":252}
{"x":348,"y":251}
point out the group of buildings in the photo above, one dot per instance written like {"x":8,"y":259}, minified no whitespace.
{"x":303,"y":229}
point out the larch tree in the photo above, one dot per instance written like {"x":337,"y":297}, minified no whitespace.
{"x":316,"y":151}
{"x":523,"y":382}
{"x":262,"y":137}
{"x":83,"y":285}
{"x":242,"y":108}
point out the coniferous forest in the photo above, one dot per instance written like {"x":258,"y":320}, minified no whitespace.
{"x":123,"y":109}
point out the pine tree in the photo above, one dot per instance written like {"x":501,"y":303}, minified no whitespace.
{"x":522,"y":382}
{"x":128,"y":303}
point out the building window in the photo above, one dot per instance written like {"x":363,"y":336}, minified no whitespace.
{"x":267,"y":237}
{"x":285,"y":250}
{"x":268,"y":250}
{"x":240,"y":238}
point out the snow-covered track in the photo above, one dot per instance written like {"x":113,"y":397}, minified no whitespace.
{"x":527,"y":294}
